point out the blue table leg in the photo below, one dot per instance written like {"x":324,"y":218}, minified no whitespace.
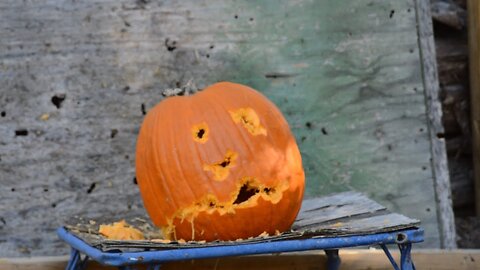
{"x":390,"y":257}
{"x":72,"y":262}
{"x":75,"y":262}
{"x":406,"y":262}
{"x":83,"y":263}
{"x":333,"y":259}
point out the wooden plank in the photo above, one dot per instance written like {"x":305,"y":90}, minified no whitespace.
{"x":441,"y":181}
{"x":312,"y":205}
{"x":351,"y":259}
{"x":330,"y":208}
{"x":474,"y":63}
{"x":372,"y":224}
{"x":76,"y":78}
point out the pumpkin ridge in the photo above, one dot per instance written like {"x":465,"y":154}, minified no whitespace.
{"x":157,"y":157}
{"x":179,"y":164}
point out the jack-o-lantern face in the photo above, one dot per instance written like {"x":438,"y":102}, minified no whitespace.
{"x":219,"y":164}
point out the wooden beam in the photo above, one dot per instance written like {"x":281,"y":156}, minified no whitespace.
{"x":351,"y":259}
{"x":441,"y":177}
{"x":474,"y":62}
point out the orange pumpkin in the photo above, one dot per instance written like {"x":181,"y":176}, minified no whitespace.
{"x":219,"y":164}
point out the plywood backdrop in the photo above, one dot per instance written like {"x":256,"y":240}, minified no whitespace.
{"x":76,"y":78}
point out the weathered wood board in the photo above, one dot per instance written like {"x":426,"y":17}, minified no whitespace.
{"x":76,"y":78}
{"x":474,"y":49}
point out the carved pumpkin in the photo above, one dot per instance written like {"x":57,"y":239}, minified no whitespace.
{"x":219,"y":164}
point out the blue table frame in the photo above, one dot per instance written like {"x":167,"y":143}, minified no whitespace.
{"x":127,"y":260}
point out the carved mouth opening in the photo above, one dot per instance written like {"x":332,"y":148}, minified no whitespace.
{"x":269,"y":190}
{"x":246,"y":192}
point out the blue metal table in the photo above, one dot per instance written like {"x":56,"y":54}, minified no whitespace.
{"x":330,"y":223}
{"x":125,"y":260}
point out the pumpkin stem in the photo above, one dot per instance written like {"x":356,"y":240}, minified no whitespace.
{"x":186,"y":90}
